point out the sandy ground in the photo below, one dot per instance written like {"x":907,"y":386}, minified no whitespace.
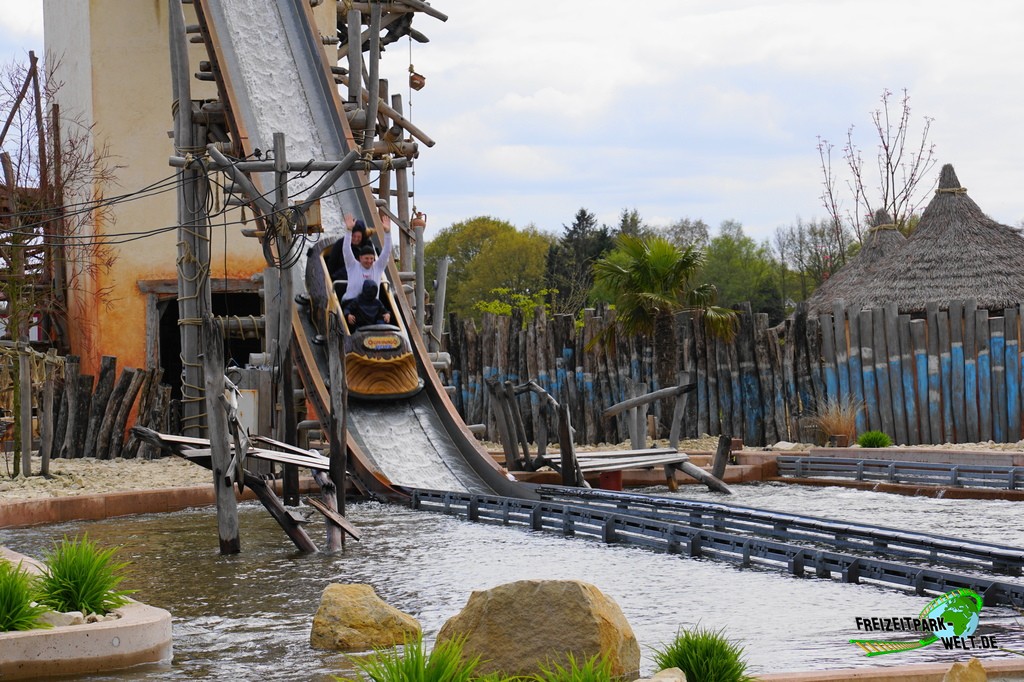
{"x":87,"y":476}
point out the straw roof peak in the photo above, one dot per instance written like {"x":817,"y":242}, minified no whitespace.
{"x":948,"y":179}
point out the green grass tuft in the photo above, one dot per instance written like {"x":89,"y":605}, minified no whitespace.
{"x":413,"y":664}
{"x":705,"y":655}
{"x":79,"y":576}
{"x":18,"y":611}
{"x":595,"y":669}
{"x":874,"y":439}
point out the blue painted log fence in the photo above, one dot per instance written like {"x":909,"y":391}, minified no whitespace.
{"x":952,"y":374}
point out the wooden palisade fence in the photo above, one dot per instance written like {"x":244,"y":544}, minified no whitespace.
{"x":77,"y":415}
{"x":949,"y":375}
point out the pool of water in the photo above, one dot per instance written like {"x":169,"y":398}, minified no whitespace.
{"x":248,"y":616}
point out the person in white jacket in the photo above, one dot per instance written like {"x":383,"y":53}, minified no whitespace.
{"x":367,"y":268}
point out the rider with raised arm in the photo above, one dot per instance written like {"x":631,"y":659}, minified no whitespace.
{"x":367,"y":269}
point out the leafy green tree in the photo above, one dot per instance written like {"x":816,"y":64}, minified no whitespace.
{"x":505,"y":300}
{"x":571,"y":259}
{"x":649,"y":279}
{"x":486,"y":254}
{"x":743,"y":270}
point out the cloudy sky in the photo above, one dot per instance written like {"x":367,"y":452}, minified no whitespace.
{"x":689,"y":108}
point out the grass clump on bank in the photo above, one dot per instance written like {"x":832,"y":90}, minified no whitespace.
{"x":704,"y":654}
{"x":18,"y":608}
{"x":413,"y":664}
{"x":874,"y":439}
{"x":79,"y":576}
{"x":445,"y":663}
{"x":837,"y":418}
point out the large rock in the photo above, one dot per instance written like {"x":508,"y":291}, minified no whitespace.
{"x":517,"y":627}
{"x":972,"y":671}
{"x":354,"y":618}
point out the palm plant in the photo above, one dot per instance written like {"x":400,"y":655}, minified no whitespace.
{"x":649,"y":279}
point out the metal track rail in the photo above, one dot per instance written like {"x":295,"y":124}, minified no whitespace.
{"x":819,"y":532}
{"x":913,"y":473}
{"x":622,"y":527}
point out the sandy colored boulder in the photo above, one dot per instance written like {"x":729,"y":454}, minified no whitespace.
{"x":517,"y":627}
{"x":972,"y":671}
{"x":354,"y":618}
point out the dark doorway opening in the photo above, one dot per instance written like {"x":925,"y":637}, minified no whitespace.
{"x":236,"y":350}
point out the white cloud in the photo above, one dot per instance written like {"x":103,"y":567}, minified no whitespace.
{"x":705,"y":108}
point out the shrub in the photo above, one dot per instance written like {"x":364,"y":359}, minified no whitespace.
{"x":705,"y":655}
{"x":79,"y":576}
{"x":413,"y":664}
{"x":18,"y":611}
{"x":597,"y":668}
{"x":838,"y":418}
{"x":874,"y":439}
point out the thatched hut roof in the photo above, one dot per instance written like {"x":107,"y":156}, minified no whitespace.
{"x":956,"y":253}
{"x":849,"y":282}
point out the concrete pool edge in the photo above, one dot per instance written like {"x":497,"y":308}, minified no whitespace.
{"x":142,"y":635}
{"x":922,"y":672}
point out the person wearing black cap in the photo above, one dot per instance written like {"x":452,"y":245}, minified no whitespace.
{"x":368,"y":268}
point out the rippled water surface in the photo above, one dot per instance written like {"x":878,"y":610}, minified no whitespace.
{"x":248,"y":616}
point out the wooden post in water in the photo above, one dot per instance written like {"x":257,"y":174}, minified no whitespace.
{"x":721,"y":459}
{"x":217,"y":426}
{"x":339,"y":431}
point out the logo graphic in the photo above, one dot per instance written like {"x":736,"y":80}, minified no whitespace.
{"x":951,"y":618}
{"x":386,"y":342}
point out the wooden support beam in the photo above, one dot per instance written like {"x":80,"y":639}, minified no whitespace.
{"x":217,"y":426}
{"x":670,"y":392}
{"x":339,"y":426}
